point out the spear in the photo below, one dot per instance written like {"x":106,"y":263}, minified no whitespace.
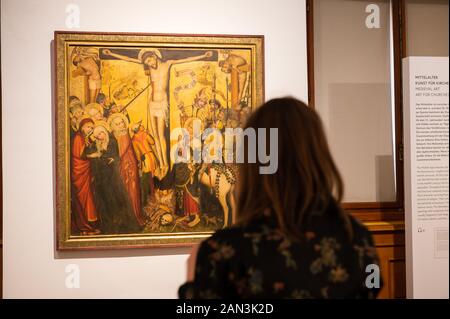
{"x":214,"y":97}
{"x":123,"y":109}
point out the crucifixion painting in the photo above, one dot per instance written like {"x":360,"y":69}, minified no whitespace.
{"x":122,"y":100}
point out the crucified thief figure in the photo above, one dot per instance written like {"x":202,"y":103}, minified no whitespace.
{"x":158,"y":101}
{"x":238,"y":67}
{"x":87,"y":63}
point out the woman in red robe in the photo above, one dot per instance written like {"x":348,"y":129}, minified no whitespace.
{"x":128,"y":164}
{"x":84,"y":214}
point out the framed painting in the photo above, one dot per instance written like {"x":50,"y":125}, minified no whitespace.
{"x":119,"y":99}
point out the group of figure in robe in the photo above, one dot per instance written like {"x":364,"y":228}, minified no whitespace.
{"x":110,"y":171}
{"x":113,"y":163}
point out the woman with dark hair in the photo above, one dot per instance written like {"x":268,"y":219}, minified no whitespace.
{"x":291,"y":239}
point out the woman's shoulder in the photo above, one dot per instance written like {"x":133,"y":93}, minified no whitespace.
{"x":240,"y":233}
{"x":358,"y":229}
{"x":232,"y":236}
{"x":361,"y":234}
{"x":229,"y":234}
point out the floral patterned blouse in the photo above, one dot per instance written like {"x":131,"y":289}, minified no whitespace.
{"x":259,"y":261}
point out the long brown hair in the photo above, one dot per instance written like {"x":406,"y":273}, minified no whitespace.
{"x":307,"y":180}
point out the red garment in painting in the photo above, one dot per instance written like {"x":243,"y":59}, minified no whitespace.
{"x":190,"y":204}
{"x":130,"y":175}
{"x":81,"y":177}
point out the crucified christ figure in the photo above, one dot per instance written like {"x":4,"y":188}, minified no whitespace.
{"x":158,"y":101}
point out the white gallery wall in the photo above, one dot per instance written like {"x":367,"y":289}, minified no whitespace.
{"x":32,"y":268}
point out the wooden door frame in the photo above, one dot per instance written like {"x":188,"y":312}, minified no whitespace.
{"x":372,"y":211}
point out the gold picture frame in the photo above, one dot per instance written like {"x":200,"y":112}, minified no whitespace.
{"x":118,"y":96}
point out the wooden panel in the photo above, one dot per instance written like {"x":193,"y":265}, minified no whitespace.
{"x":1,"y":269}
{"x":389,"y":239}
{"x":397,"y":277}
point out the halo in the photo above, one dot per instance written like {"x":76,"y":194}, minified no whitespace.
{"x":74,"y":104}
{"x":189,"y":126}
{"x":153,"y":50}
{"x":190,"y":121}
{"x":83,"y":118}
{"x":91,"y":106}
{"x":103,"y":124}
{"x":116,"y":115}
